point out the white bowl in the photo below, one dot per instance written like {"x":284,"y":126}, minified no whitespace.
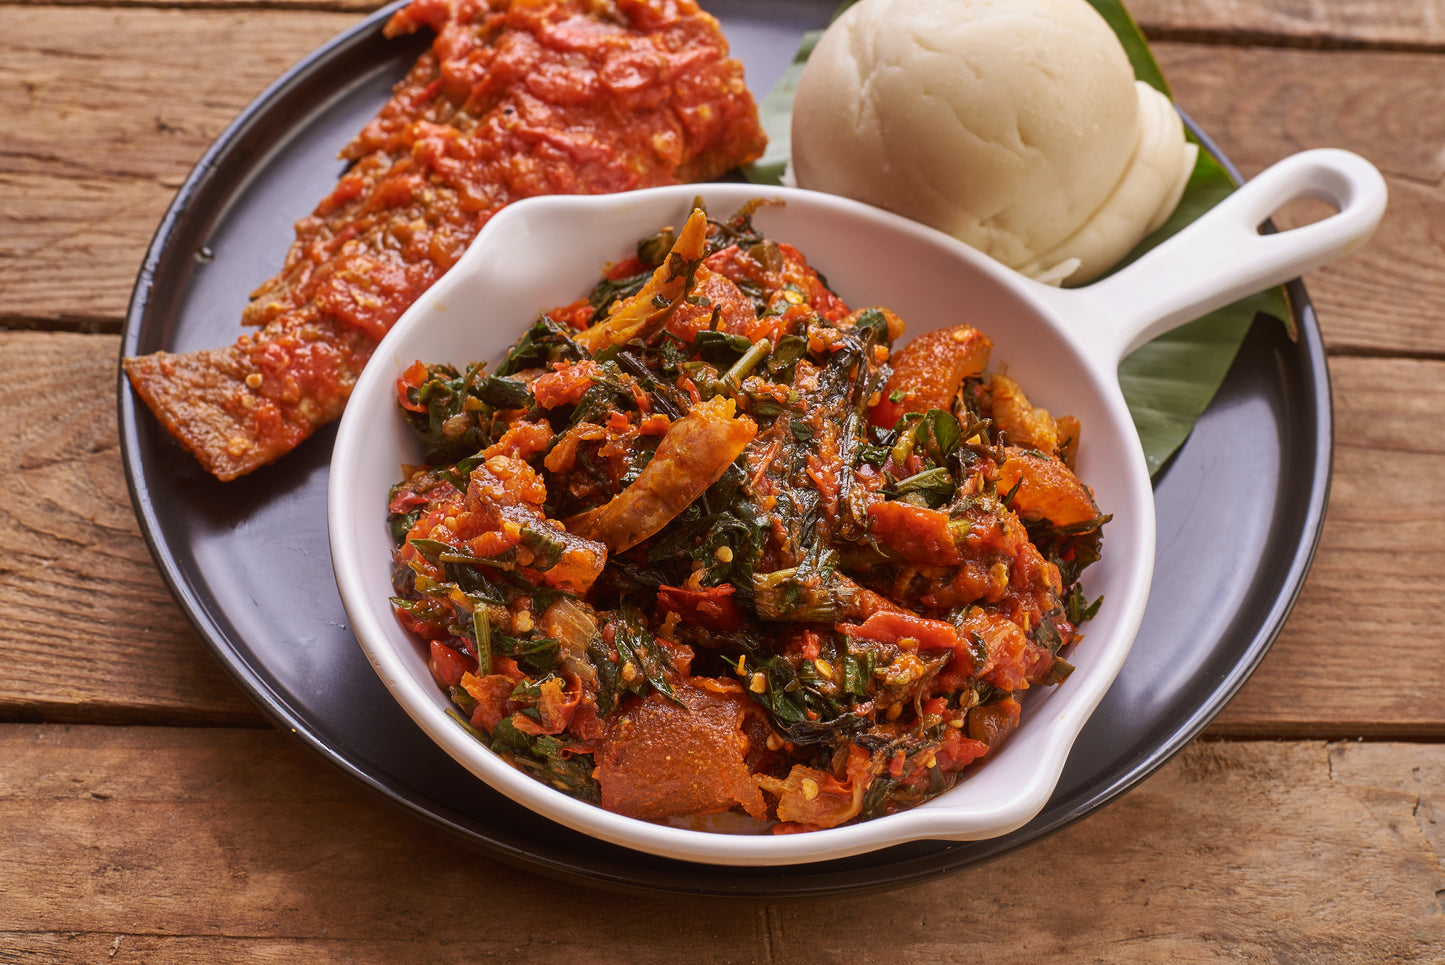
{"x":1062,"y":346}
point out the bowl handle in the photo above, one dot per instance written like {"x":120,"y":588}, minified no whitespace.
{"x":1223,"y":257}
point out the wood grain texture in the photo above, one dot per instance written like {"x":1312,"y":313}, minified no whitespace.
{"x":89,"y":160}
{"x":167,"y":845}
{"x":1392,"y":23}
{"x":218,"y":838}
{"x":1261,"y":106}
{"x":1409,"y":24}
{"x":1355,"y":641}
{"x":1350,"y":662}
{"x":106,"y":111}
{"x":354,"y":7}
{"x":89,"y":629}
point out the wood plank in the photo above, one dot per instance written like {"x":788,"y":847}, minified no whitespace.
{"x":1387,"y":297}
{"x":172,"y":845}
{"x":292,"y":6}
{"x":89,"y":163}
{"x":114,"y":107}
{"x":1406,"y":24}
{"x":1350,"y":662}
{"x":1261,"y":106}
{"x":136,"y":94}
{"x":1414,"y":24}
{"x":1356,"y":657}
{"x":89,"y":626}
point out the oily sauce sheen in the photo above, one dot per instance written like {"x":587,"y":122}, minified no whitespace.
{"x":704,"y":543}
{"x":512,"y":100}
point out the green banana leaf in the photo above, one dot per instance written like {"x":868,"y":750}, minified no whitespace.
{"x":1169,"y":382}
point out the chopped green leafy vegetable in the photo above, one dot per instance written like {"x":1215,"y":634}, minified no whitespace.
{"x":705,"y":566}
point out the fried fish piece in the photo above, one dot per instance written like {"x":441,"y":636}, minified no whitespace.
{"x":515,"y":98}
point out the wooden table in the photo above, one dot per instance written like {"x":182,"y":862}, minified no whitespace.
{"x":148,"y":813}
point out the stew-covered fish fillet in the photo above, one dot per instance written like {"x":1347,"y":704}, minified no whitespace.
{"x":515,"y":98}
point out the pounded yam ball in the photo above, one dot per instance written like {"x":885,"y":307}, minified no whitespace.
{"x":1014,"y":125}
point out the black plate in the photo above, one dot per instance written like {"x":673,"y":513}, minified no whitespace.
{"x":1239,"y":512}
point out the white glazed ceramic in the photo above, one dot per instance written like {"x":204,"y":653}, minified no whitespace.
{"x":1063,"y":346}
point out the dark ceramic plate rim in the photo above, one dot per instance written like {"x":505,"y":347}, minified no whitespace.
{"x":890,"y":868}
